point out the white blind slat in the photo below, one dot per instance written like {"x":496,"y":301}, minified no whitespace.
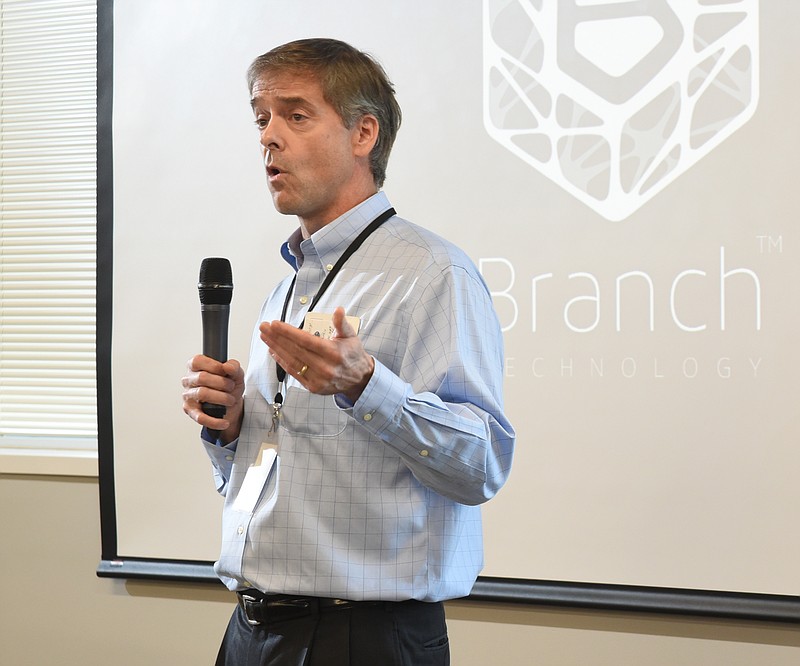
{"x":48,"y":221}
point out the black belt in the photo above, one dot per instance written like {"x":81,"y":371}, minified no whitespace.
{"x":260,"y":608}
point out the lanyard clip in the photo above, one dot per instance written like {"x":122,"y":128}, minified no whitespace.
{"x":277,"y":403}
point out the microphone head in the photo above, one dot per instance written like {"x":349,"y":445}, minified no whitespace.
{"x":216,"y":281}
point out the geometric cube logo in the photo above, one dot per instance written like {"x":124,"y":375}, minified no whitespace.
{"x":614,"y":100}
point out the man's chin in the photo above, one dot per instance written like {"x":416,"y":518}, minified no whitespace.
{"x":283,"y":206}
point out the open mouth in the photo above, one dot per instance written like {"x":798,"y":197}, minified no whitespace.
{"x":273,"y":171}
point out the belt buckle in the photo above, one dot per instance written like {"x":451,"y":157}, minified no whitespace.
{"x":248,"y":603}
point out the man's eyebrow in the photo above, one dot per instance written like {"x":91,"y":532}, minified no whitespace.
{"x":287,"y":101}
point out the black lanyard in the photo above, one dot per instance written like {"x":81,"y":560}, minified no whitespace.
{"x":378,"y":221}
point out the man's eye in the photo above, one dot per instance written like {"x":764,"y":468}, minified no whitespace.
{"x":297,"y":117}
{"x":261,"y":123}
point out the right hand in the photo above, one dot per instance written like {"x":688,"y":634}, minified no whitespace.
{"x":208,"y":380}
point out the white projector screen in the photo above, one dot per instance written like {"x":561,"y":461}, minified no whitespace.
{"x":624,"y":176}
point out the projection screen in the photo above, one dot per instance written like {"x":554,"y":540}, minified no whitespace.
{"x":623,"y":175}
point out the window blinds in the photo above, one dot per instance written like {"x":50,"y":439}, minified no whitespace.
{"x":47,"y":220}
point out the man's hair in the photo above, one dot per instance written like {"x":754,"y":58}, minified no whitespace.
{"x":352,"y":82}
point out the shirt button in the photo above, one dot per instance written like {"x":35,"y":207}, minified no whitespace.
{"x":303,"y":300}
{"x":368,"y":417}
{"x":240,"y":530}
{"x":329,"y":267}
{"x":424,"y":453}
{"x":228,"y":457}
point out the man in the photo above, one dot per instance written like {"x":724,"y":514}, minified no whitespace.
{"x":353,"y":462}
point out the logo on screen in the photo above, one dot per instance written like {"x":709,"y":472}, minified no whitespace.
{"x":614,"y":100}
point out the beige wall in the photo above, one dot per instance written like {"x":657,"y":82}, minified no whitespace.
{"x":54,"y":609}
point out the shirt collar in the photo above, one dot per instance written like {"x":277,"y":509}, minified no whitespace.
{"x":332,"y":240}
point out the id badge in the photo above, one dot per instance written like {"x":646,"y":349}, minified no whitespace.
{"x":256,"y":478}
{"x":321,"y":324}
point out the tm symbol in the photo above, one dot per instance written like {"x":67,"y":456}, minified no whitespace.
{"x":770,"y":244}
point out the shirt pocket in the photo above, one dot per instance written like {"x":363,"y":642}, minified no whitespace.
{"x":305,"y":413}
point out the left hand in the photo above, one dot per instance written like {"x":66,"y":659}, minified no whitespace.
{"x":338,"y":365}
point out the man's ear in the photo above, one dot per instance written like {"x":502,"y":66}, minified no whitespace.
{"x":365,"y":135}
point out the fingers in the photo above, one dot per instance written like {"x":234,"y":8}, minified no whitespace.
{"x":295,"y":351}
{"x":205,"y":371}
{"x":341,"y":327}
{"x":338,"y":365}
{"x":200,"y":363}
{"x":293,"y":348}
{"x":210,"y":381}
{"x":292,"y":343}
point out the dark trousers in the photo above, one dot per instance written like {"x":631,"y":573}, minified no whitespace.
{"x":408,"y":633}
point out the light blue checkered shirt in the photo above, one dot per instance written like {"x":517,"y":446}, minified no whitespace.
{"x":376,"y":500}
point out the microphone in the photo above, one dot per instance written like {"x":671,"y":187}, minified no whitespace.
{"x":216,"y":290}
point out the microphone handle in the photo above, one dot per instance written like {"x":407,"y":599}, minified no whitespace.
{"x":215,"y":343}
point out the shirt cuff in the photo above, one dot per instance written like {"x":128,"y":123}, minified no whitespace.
{"x":221,"y":454}
{"x":208,"y":438}
{"x":383,"y":396}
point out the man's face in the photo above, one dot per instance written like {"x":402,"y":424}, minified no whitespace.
{"x":309,"y":155}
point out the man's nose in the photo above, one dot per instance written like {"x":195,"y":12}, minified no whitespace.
{"x":270,"y":137}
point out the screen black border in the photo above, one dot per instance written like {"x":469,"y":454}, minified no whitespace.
{"x":723,"y":604}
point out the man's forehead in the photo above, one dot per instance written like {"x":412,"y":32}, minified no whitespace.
{"x":282,"y":84}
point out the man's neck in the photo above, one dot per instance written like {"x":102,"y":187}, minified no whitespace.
{"x":309,"y":226}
